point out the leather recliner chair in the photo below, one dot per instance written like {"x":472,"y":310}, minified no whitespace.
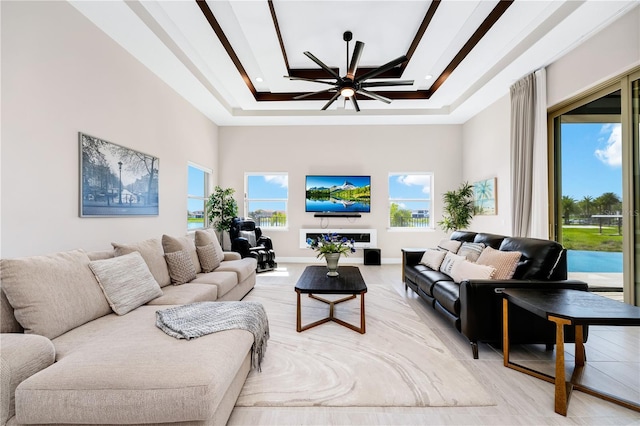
{"x":247,"y":239}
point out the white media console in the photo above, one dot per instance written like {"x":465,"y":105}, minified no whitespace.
{"x":363,"y":238}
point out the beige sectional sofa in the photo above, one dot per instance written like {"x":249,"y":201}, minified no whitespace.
{"x":79,"y":344}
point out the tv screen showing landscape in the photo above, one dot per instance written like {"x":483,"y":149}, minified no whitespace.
{"x":338,"y":194}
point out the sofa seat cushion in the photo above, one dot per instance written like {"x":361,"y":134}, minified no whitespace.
{"x":411,"y":271}
{"x":186,"y":293}
{"x":52,"y":294}
{"x":427,"y":279}
{"x":447,"y":293}
{"x":223,"y":280}
{"x":123,"y":369}
{"x":243,"y":267}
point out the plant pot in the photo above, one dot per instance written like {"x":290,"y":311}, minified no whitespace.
{"x":332,"y":263}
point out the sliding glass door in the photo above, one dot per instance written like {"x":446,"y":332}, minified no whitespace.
{"x":635,"y":142}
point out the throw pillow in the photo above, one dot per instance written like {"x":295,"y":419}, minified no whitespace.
{"x":208,"y":236}
{"x":172,"y":244}
{"x":465,"y":270}
{"x":208,"y":257}
{"x":181,"y":269}
{"x":471,"y":250}
{"x":153,"y":254}
{"x":449,"y":260}
{"x":52,"y":294}
{"x":450,"y":245}
{"x":505,"y":262}
{"x":433,"y":258}
{"x":126,"y":281}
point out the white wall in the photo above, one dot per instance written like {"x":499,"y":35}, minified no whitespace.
{"x":610,"y":52}
{"x":61,"y":75}
{"x":486,"y":154}
{"x":358,"y":150}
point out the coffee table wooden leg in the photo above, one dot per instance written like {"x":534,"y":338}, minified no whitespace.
{"x":563,"y":389}
{"x":362,"y":317}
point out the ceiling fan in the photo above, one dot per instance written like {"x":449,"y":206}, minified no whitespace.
{"x":350,"y":85}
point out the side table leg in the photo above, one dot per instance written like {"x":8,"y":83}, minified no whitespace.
{"x":298,"y":313}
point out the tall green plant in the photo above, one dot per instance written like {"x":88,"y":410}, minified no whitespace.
{"x":222,"y":208}
{"x":458,"y":208}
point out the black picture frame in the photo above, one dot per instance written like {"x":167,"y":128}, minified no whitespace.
{"x":115,"y":180}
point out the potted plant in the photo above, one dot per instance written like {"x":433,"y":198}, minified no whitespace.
{"x":221,"y":209}
{"x":331,"y":246}
{"x":458,"y":208}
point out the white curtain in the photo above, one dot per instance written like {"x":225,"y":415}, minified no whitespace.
{"x":529,"y":193}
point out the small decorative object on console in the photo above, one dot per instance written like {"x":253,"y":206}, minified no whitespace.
{"x":331,"y":246}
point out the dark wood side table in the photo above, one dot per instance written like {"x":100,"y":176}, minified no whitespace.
{"x":314,"y":281}
{"x":574,"y":308}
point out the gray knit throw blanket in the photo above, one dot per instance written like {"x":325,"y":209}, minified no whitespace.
{"x":200,"y":318}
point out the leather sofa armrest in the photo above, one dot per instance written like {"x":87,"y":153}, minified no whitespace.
{"x":412,"y":256}
{"x":23,"y":355}
{"x":481,"y":305}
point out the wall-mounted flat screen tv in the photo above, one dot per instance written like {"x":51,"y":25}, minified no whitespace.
{"x":338,"y":194}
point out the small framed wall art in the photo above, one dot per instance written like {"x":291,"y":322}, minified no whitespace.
{"x":485,"y":197}
{"x":115,"y":180}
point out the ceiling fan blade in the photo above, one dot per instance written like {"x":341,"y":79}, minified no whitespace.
{"x":375,"y":96}
{"x":332,"y":100}
{"x":387,"y":83}
{"x":332,"y":83}
{"x":355,"y":103}
{"x":353,"y":66}
{"x":322,"y":65}
{"x":306,"y":95}
{"x":382,"y":68}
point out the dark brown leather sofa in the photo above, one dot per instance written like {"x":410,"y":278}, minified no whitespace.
{"x":474,"y":307}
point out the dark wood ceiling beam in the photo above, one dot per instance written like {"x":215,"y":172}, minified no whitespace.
{"x":288,"y":96}
{"x":421,"y":30}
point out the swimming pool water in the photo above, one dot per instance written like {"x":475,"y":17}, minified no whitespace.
{"x":593,"y":261}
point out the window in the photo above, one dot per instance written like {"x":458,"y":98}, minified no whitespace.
{"x":410,"y":200}
{"x":266,"y":196}
{"x":197,"y":194}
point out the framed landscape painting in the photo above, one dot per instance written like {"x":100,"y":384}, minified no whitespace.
{"x":115,"y":180}
{"x":485,"y":197}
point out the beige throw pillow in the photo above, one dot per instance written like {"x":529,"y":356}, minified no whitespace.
{"x":173,"y":244}
{"x":153,"y":254}
{"x":433,"y":258}
{"x":450,"y":245}
{"x":52,"y":294}
{"x":181,"y":268}
{"x":126,"y":281}
{"x":208,"y":236}
{"x":449,"y":260}
{"x":505,"y":262}
{"x":465,"y":270}
{"x":208,"y":257}
{"x":471,"y":250}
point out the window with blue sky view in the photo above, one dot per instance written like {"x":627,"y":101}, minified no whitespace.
{"x":266,"y":197}
{"x":410,"y":196}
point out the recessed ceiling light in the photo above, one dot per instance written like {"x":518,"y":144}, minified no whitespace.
{"x":428,"y":77}
{"x":259,"y":79}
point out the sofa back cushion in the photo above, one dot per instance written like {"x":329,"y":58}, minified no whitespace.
{"x":489,"y":240}
{"x":174,"y":244}
{"x":464,"y":236}
{"x":204,"y":237}
{"x":539,"y":257}
{"x":8,"y":321}
{"x":153,"y":254}
{"x":53,"y":294}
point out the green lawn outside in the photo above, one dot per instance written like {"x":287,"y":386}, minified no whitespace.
{"x":590,"y":238}
{"x":195,"y":220}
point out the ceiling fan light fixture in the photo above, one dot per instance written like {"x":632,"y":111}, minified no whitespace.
{"x":347,"y":92}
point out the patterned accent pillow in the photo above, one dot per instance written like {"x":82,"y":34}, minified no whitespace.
{"x":505,"y":262}
{"x":433,"y":258}
{"x":471,"y":251}
{"x":171,"y":244}
{"x":450,"y":245}
{"x":208,"y":256}
{"x":126,"y":282}
{"x":181,"y":268}
{"x":449,"y":260}
{"x":465,"y":270}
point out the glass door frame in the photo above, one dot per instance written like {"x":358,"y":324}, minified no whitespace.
{"x":622,"y":83}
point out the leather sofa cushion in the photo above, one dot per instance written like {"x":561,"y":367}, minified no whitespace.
{"x":490,"y":240}
{"x":427,"y":279}
{"x":539,"y":257}
{"x":447,"y":293}
{"x":410,"y":272}
{"x":464,"y":236}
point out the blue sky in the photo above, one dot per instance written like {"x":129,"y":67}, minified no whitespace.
{"x":591,"y":159}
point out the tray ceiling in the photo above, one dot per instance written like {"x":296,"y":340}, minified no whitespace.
{"x":229,"y":58}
